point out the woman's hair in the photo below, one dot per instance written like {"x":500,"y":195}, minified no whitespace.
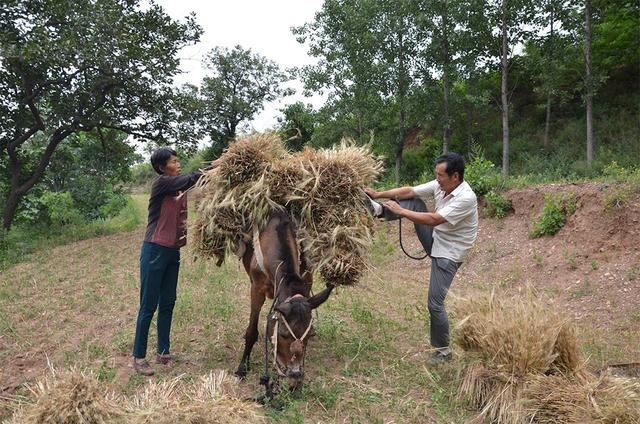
{"x":160,"y":157}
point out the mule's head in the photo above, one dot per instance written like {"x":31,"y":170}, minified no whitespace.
{"x":293,"y":321}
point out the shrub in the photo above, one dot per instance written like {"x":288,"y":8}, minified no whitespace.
{"x":497,"y":205}
{"x":617,"y":199}
{"x":60,"y":208}
{"x":481,"y":173}
{"x":554,"y":215}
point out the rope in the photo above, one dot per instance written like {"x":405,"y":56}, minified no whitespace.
{"x":402,"y":247}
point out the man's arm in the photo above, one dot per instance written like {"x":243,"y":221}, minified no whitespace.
{"x":400,"y":193}
{"x":427,"y":218}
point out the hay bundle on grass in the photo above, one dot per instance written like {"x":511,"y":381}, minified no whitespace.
{"x":212,"y":400}
{"x":320,"y":189}
{"x":551,"y":399}
{"x":76,"y":397}
{"x":530,"y":368}
{"x":519,"y":336}
{"x":69,"y":397}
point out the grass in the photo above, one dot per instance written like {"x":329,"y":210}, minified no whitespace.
{"x":365,"y":365}
{"x":21,"y":241}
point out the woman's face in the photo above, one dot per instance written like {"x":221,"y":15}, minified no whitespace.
{"x":172,"y":168}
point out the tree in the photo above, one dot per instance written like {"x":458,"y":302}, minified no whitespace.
{"x":70,"y":67}
{"x":367,"y":54}
{"x":240,"y":84}
{"x":589,"y":78}
{"x":297,"y":125}
{"x":443,"y":25}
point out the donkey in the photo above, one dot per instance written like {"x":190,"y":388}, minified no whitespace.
{"x":277,"y":270}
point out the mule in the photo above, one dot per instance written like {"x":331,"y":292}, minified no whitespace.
{"x":277,"y":269}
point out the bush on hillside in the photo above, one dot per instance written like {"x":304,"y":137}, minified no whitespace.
{"x":497,"y":205}
{"x":554,"y":215}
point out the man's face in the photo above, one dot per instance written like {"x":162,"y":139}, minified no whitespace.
{"x":172,"y":168}
{"x":447,"y":183}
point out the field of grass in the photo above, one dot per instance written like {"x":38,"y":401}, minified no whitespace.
{"x":75,"y":305}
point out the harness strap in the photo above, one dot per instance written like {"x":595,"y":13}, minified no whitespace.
{"x":258,"y":251}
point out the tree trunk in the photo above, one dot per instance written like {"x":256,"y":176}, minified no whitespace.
{"x":445,"y":80}
{"x":10,"y":208}
{"x":469,"y":112}
{"x":504,"y":93}
{"x":589,"y":77}
{"x":445,"y":138}
{"x":547,"y":124}
{"x":402,"y":91}
{"x":18,"y":190}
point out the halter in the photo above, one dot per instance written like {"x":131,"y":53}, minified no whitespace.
{"x":265,"y":379}
{"x":274,"y":337}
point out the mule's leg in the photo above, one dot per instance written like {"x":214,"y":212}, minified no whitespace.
{"x":251,"y":335}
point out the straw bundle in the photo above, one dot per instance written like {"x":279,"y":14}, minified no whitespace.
{"x":320,"y":189}
{"x":530,"y":369}
{"x":517,"y":336}
{"x":76,"y":397}
{"x":69,"y":397}
{"x":210,"y":401}
{"x":494,"y":393}
{"x":552,"y":399}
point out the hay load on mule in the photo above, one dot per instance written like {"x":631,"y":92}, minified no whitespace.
{"x":321,"y":190}
{"x":72,"y":396}
{"x":525,"y":367}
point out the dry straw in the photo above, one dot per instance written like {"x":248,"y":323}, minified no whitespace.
{"x":76,"y":397}
{"x":529,"y":368}
{"x":320,"y":189}
{"x":68,"y":397}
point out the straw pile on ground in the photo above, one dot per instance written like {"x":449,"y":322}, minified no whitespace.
{"x":75,"y":397}
{"x":526,"y":367}
{"x":320,"y":189}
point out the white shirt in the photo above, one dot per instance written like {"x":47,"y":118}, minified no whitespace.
{"x":454,"y":238}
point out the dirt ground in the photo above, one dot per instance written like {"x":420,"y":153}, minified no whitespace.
{"x":76,"y":304}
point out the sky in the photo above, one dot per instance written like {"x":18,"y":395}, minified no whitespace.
{"x":262,"y":26}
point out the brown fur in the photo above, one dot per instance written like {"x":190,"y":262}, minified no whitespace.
{"x":285,"y":268}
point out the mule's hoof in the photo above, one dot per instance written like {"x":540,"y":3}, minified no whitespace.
{"x":241,"y":374}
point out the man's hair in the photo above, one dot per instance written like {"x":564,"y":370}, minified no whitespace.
{"x":160,"y":157}
{"x":455,"y":163}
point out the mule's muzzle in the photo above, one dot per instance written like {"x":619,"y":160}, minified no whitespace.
{"x":295,"y":377}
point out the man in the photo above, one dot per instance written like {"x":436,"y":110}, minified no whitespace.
{"x":447,"y":234}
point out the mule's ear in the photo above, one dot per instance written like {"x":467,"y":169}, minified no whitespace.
{"x":284,"y":308}
{"x":320,"y":298}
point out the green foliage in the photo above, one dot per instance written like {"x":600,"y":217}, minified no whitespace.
{"x":554,"y":215}
{"x":240,"y":84}
{"x":497,"y":205}
{"x":481,"y":173}
{"x":418,"y":163}
{"x":297,"y":125}
{"x":85,"y":67}
{"x":142,"y":174}
{"x":60,"y":208}
{"x":617,"y":199}
{"x":24,"y":239}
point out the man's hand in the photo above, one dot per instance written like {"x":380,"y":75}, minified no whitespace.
{"x":371,"y":192}
{"x":393,"y":207}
